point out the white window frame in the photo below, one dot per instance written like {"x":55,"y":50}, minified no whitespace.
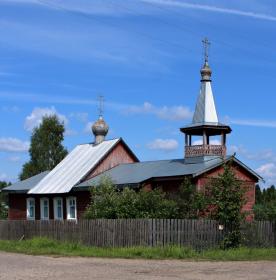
{"x":42,"y":208}
{"x":68,"y":207}
{"x":29,"y":199}
{"x":56,"y":208}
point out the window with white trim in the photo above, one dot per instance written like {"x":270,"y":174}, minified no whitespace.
{"x":30,"y":208}
{"x":71,"y":208}
{"x":44,"y":209}
{"x":58,"y":208}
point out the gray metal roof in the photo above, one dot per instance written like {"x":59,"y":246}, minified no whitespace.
{"x":73,"y":168}
{"x":25,"y":185}
{"x":135,"y":173}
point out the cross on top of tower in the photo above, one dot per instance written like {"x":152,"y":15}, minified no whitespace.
{"x":206,"y":46}
{"x":101,"y":105}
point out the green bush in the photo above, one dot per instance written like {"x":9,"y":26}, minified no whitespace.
{"x":110,"y":203}
{"x":191,"y":203}
{"x":265,"y":212}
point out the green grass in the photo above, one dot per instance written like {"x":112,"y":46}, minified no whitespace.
{"x":43,"y":246}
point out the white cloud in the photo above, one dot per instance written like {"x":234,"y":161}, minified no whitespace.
{"x":212,"y":142}
{"x":266,"y":156}
{"x":209,"y":8}
{"x":14,"y":158}
{"x":70,"y":132}
{"x":79,"y":116}
{"x":87,"y":128}
{"x":263,"y":155}
{"x":35,"y":118}
{"x":165,"y":112}
{"x":10,"y":109}
{"x":13,"y":145}
{"x":163,"y":144}
{"x":3,"y":176}
{"x":268,"y":172}
{"x":257,"y":123}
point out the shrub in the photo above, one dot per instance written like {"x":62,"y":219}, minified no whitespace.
{"x":110,"y":203}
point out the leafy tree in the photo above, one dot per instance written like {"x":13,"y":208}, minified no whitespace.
{"x":258,"y":195}
{"x":104,"y":200}
{"x":154,"y":204}
{"x":3,"y":201}
{"x":227,"y":198}
{"x":46,"y":149}
{"x":107,"y":202}
{"x":269,"y":195}
{"x":265,"y":212}
{"x":265,"y":207}
{"x":190,"y":202}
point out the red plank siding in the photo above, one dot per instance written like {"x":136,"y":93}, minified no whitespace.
{"x":117,"y":156}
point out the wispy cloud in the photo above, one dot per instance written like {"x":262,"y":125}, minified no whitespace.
{"x":112,"y":43}
{"x":31,"y":97}
{"x":10,"y":109}
{"x":14,"y":158}
{"x":210,"y":8}
{"x":257,"y":123}
{"x":19,"y":1}
{"x":164,"y":112}
{"x":166,"y":145}
{"x":266,"y":158}
{"x":88,"y":7}
{"x":268,"y":171}
{"x":13,"y":145}
{"x":266,"y":155}
{"x":172,"y":113}
{"x":3,"y":176}
{"x":79,"y":116}
{"x":88,"y":127}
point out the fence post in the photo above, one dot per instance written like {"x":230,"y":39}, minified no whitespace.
{"x":274,"y":232}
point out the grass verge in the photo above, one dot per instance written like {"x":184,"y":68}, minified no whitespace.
{"x":44,"y":246}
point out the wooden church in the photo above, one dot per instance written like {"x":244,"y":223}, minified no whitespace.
{"x":63,"y":193}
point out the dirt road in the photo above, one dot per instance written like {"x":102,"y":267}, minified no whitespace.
{"x":15,"y":266}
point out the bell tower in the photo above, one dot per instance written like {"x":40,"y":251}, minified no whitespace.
{"x":205,"y":122}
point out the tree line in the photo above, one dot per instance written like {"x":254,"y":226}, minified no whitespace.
{"x":265,"y":206}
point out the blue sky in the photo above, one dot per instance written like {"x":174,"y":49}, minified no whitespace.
{"x":144,"y":56}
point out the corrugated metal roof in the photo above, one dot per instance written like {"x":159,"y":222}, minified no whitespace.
{"x":135,"y":173}
{"x":73,"y":168}
{"x":25,"y":185}
{"x":205,"y":111}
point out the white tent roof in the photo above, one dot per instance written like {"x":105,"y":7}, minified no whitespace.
{"x":73,"y":168}
{"x":205,"y":111}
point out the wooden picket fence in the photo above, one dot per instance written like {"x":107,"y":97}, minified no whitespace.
{"x":197,"y":234}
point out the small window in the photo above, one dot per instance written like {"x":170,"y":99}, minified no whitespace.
{"x":58,"y":208}
{"x":30,"y":208}
{"x":71,"y":208}
{"x":44,"y":209}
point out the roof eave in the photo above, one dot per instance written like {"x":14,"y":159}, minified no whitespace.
{"x":14,"y":191}
{"x":198,"y":129}
{"x":252,"y":172}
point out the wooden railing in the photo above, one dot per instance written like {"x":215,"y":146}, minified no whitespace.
{"x":205,"y":150}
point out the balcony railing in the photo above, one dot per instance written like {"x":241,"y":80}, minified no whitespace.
{"x":205,"y":150}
